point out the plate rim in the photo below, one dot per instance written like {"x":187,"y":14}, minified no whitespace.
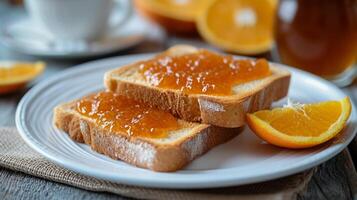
{"x":174,"y":184}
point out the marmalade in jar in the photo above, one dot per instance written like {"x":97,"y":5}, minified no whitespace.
{"x":203,"y":72}
{"x":318,"y":36}
{"x":117,"y":113}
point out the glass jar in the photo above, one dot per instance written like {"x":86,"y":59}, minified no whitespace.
{"x":319,"y":36}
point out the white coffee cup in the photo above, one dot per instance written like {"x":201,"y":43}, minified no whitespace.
{"x":81,"y":20}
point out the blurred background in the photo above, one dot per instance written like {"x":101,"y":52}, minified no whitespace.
{"x":40,"y":38}
{"x":317,"y":36}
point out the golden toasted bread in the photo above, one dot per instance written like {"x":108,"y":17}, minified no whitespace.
{"x":224,"y":111}
{"x":170,"y":153}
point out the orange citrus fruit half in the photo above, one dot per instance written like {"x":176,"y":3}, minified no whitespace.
{"x":239,"y":26}
{"x":176,"y":16}
{"x":301,"y":125}
{"x":15,"y":75}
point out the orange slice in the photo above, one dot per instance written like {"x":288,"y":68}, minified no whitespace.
{"x":239,"y":26}
{"x":15,"y":75}
{"x":177,"y":16}
{"x":301,"y":125}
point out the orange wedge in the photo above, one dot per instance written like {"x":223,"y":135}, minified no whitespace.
{"x":301,"y":125}
{"x":15,"y":75}
{"x":177,"y":16}
{"x":239,"y":26}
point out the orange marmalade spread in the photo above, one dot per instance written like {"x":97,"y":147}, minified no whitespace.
{"x":116,"y":113}
{"x":203,"y":72}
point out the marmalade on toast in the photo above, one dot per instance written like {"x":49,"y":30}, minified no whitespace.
{"x":117,"y":113}
{"x":203,"y":72}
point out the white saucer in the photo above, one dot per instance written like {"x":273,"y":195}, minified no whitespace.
{"x":25,"y":36}
{"x":245,"y":159}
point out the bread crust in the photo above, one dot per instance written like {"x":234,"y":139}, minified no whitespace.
{"x":223,"y":111}
{"x":141,"y":152}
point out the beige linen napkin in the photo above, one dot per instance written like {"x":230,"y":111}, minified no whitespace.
{"x":15,"y":154}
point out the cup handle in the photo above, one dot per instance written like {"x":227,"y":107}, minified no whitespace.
{"x":126,"y":10}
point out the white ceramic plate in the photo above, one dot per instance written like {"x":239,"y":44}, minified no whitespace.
{"x":245,"y":159}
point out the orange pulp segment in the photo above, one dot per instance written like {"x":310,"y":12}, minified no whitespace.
{"x":177,"y":9}
{"x":14,"y":75}
{"x":301,"y":125}
{"x":176,"y":16}
{"x":240,"y":26}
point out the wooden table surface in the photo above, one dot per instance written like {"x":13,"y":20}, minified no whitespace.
{"x":334,"y":179}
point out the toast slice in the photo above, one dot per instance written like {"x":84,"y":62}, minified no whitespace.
{"x":224,"y":111}
{"x":171,"y":153}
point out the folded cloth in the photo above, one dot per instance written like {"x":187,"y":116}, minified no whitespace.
{"x":16,"y":155}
